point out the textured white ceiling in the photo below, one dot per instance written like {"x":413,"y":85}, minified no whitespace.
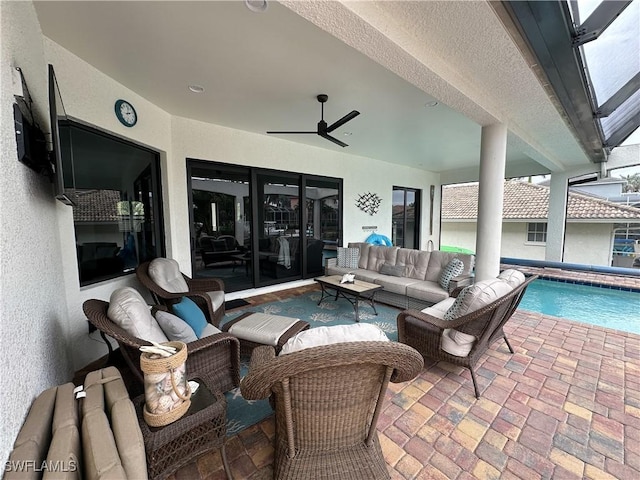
{"x":262,"y":71}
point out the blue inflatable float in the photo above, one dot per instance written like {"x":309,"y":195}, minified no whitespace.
{"x":378,"y":239}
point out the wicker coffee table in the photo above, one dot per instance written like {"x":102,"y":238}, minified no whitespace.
{"x":201,"y":429}
{"x":352,"y":292}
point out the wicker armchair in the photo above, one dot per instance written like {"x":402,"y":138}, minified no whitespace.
{"x":217,"y":357}
{"x":199,"y":290}
{"x":327,"y":403}
{"x":424,"y":332}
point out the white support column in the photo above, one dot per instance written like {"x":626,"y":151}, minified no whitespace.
{"x":493,"y":156}
{"x":558,"y":191}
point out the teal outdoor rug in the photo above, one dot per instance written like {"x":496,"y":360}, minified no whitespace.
{"x":243,"y":413}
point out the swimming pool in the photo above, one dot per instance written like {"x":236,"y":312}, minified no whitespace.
{"x":618,"y":309}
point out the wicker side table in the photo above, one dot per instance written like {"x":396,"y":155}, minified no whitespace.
{"x":202,"y":428}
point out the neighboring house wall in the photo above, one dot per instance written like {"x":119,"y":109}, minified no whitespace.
{"x":34,"y":338}
{"x":459,"y":234}
{"x":586,"y":243}
{"x":589,"y":243}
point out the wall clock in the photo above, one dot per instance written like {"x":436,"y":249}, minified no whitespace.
{"x":126,"y":113}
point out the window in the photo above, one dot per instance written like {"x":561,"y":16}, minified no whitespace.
{"x":537,"y":232}
{"x":116,"y":189}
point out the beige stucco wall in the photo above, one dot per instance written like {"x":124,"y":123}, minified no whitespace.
{"x":34,"y":328}
{"x":585,"y":243}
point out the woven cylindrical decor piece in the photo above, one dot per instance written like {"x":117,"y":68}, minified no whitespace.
{"x":166,"y":391}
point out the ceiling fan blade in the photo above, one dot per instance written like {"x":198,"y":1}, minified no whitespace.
{"x":293,"y":132}
{"x":332,"y":139}
{"x":343,"y":120}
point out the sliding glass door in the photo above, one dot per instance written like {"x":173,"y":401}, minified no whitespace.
{"x":221,"y":224}
{"x":278,"y":226}
{"x":255,"y":227}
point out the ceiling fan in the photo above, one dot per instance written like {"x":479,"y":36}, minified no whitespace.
{"x":323,"y":129}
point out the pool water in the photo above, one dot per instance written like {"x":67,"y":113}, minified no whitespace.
{"x":605,"y":307}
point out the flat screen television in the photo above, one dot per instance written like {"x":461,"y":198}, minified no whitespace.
{"x":59,"y":130}
{"x":30,"y":140}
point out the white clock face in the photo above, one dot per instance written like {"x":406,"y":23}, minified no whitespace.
{"x":126,"y":113}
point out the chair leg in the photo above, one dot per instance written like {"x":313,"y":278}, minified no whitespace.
{"x":475,"y":384}
{"x":508,"y":344}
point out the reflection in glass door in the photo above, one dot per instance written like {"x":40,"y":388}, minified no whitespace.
{"x":406,"y":217}
{"x":278,"y":226}
{"x":322,"y":220}
{"x":221,"y":224}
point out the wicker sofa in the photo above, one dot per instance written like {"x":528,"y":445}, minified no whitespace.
{"x":69,"y":436}
{"x":410,"y":277}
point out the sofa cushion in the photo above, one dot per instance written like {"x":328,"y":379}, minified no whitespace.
{"x":393,"y":270}
{"x":367,"y":275}
{"x":348,"y":257}
{"x":453,"y":269}
{"x":379,"y":255}
{"x":427,"y":291}
{"x":439,"y":259}
{"x":189,"y":311}
{"x":165,"y":272}
{"x":415,"y":262}
{"x":175,"y":328}
{"x":66,"y":411}
{"x":395,"y":284}
{"x":476,"y":296}
{"x":364,"y":253}
{"x":315,"y":337}
{"x":129,"y":310}
{"x":513,"y":277}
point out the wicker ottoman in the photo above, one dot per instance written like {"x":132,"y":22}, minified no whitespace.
{"x":201,"y":429}
{"x":254,"y":329}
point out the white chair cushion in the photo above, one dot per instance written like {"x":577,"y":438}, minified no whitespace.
{"x":513,"y":277}
{"x":356,"y":332}
{"x":456,"y":343}
{"x":217,"y":299}
{"x":129,"y":310}
{"x":478,"y":295}
{"x":210,"y":330}
{"x":165,"y":272}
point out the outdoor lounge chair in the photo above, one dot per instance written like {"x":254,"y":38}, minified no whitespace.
{"x":168,"y":285}
{"x":217,"y":357}
{"x":327,"y":403}
{"x":424,"y":332}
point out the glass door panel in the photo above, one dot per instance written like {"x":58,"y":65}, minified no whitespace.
{"x":221,"y":224}
{"x":278,"y":226}
{"x":406,"y":217}
{"x":322,"y":220}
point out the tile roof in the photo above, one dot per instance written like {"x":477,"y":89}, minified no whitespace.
{"x":97,"y":206}
{"x":530,"y":201}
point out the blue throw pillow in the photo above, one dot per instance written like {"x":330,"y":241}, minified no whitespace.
{"x":189,"y":311}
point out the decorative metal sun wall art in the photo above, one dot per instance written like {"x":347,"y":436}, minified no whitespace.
{"x":369,"y":203}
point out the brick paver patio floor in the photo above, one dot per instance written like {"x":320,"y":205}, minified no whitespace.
{"x":566,"y":405}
